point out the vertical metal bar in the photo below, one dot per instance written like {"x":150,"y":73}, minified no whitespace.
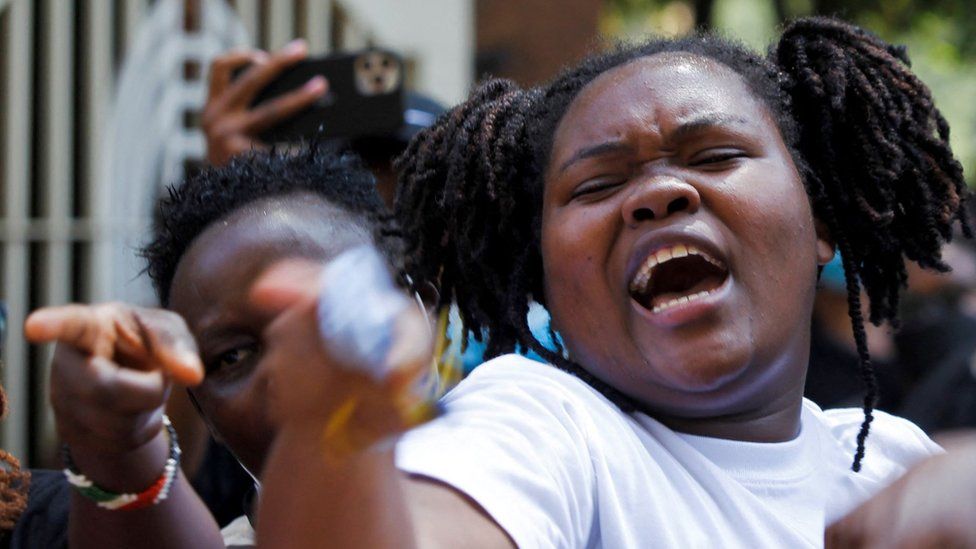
{"x":248,"y":11}
{"x":317,"y":25}
{"x":55,"y":176}
{"x":280,"y":23}
{"x":16,"y":36}
{"x":97,"y":89}
{"x":132,"y":11}
{"x":352,"y":35}
{"x":57,"y":142}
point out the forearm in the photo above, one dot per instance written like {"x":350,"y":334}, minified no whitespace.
{"x":310,"y":501}
{"x":179,"y":521}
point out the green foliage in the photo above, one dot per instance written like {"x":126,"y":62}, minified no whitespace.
{"x":940,"y":35}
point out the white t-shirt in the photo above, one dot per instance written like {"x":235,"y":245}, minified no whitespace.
{"x":556,"y":464}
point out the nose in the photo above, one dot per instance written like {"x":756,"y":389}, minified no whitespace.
{"x":657,"y":198}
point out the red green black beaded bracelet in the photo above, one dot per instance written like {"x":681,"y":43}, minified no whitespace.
{"x":155,"y":493}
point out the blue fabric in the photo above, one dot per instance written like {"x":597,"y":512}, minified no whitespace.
{"x":474,"y":354}
{"x":832,"y":275}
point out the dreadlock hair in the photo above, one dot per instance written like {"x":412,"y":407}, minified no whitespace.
{"x":216,"y":192}
{"x":871,"y":148}
{"x":14,"y":482}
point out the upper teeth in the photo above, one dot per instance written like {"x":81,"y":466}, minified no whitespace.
{"x":642,"y":279}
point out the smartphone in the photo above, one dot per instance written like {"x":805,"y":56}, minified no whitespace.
{"x":364,"y":99}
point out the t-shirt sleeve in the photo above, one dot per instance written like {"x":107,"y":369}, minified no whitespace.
{"x":900,"y":442}
{"x":512,"y":440}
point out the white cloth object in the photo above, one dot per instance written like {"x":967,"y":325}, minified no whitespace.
{"x":239,"y":534}
{"x":555,"y":464}
{"x":357,"y":311}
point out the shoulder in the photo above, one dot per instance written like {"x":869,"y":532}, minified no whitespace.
{"x":513,"y":414}
{"x":517,"y":374}
{"x":893,"y":440}
{"x":511,"y":408}
{"x":515,"y":388}
{"x":513,"y":365}
{"x":517,"y":437}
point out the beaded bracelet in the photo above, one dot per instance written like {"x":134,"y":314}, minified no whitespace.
{"x":155,"y":493}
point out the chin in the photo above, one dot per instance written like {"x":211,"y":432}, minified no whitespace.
{"x":698,"y":368}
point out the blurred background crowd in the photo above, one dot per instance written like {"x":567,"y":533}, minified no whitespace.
{"x":100,"y":104}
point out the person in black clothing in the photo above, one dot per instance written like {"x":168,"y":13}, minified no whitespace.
{"x":926,"y":368}
{"x":44,"y":521}
{"x":33,"y":504}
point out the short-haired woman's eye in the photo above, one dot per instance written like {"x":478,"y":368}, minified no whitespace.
{"x":231,"y":358}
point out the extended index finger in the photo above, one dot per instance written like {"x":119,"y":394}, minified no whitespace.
{"x":144,"y":339}
{"x":84,"y":327}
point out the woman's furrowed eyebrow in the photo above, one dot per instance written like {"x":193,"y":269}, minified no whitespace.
{"x":704,"y":122}
{"x":686,"y":128}
{"x":607,"y":147}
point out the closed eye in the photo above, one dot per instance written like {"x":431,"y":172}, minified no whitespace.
{"x":594,"y":188}
{"x":716,"y":158}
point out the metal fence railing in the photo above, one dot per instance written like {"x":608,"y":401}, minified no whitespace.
{"x":97,"y":113}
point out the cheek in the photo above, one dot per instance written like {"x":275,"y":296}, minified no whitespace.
{"x":790,"y":229}
{"x":218,"y":407}
{"x":776,"y":232}
{"x":575,"y":254}
{"x":772,"y":211}
{"x":236,"y":412}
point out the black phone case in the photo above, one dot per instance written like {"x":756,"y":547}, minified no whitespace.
{"x":344,"y":112}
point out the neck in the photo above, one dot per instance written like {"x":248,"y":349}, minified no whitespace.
{"x":778,"y":422}
{"x":763,"y":405}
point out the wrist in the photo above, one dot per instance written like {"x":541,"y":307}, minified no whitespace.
{"x":126,"y":471}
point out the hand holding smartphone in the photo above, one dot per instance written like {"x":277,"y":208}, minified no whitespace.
{"x":256,"y":98}
{"x":364,"y":97}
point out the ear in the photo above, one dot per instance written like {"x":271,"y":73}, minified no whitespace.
{"x":825,"y":244}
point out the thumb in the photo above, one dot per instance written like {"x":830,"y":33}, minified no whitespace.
{"x":170,"y":345}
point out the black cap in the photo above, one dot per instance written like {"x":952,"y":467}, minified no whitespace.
{"x":419,"y":112}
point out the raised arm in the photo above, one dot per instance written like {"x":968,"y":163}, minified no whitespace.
{"x":330,"y":480}
{"x":230,"y":124}
{"x":113,"y":367}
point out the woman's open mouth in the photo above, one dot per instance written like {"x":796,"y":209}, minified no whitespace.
{"x":676,"y":275}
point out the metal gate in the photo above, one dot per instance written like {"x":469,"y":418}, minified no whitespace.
{"x":66,"y":223}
